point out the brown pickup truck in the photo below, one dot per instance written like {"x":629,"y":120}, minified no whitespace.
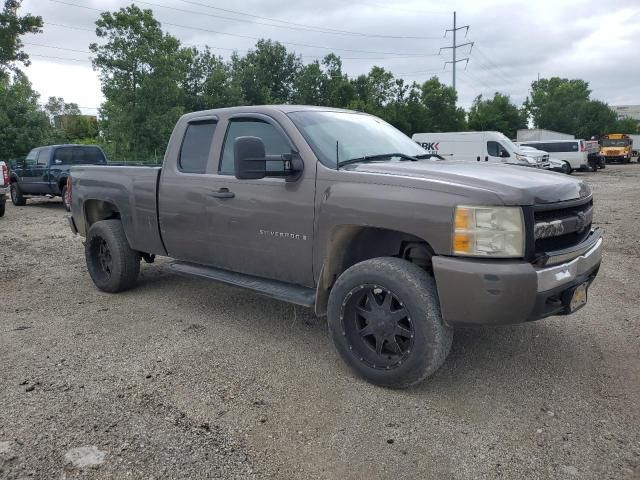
{"x":339,"y":211}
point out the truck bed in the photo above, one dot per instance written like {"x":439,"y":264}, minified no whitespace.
{"x":132,"y":190}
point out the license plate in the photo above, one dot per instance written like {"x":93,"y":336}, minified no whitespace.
{"x":579,"y":298}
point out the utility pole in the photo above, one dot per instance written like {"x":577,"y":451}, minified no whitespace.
{"x":455,"y":46}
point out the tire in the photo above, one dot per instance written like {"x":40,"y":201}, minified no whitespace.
{"x":112,"y":264}
{"x":594,"y":167}
{"x":3,"y":206}
{"x":566,"y":168}
{"x":16,"y":196}
{"x":65,"y":202}
{"x":422,"y":343}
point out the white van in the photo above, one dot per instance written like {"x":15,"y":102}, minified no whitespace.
{"x":574,"y":152}
{"x":475,"y":147}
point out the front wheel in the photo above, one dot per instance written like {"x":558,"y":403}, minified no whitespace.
{"x":112,"y":264}
{"x":566,"y":168}
{"x":16,"y":195}
{"x":384,"y":318}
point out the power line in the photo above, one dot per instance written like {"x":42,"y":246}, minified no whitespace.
{"x":286,"y":24}
{"x":257,"y":38}
{"x":317,"y":57}
{"x":60,"y":58}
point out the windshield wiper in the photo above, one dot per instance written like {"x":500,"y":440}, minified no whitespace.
{"x":368,"y":158}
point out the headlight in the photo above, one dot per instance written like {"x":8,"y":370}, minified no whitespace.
{"x":524,"y":158}
{"x":488,"y":232}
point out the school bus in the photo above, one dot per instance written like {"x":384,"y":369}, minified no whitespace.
{"x":616,"y":147}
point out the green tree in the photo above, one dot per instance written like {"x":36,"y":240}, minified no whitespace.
{"x":23,"y":125}
{"x":627,"y":125}
{"x":441,"y":113}
{"x":266,"y":74}
{"x":554,"y":103}
{"x":497,"y":113}
{"x":594,"y":118}
{"x":142,"y":70}
{"x":12,"y":27}
{"x":208,"y":83}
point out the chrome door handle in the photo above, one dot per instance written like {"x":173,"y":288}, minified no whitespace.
{"x":222,"y":193}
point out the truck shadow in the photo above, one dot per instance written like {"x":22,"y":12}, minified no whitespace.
{"x":524,"y":356}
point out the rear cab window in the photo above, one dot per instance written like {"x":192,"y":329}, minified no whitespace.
{"x":79,"y":156}
{"x":196,"y":146}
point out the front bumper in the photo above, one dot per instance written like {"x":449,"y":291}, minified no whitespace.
{"x":476,"y":292}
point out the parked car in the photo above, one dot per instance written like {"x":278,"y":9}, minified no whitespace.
{"x":45,"y":170}
{"x":552,"y":163}
{"x":580,"y":154}
{"x":541,"y":157}
{"x":339,"y":211}
{"x":491,"y":147}
{"x":4,"y":186}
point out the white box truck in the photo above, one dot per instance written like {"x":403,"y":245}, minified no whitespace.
{"x":476,"y":147}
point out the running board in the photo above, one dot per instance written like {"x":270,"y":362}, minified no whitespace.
{"x":286,"y":292}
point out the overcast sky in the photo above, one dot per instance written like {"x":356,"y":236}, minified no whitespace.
{"x":514,"y":40}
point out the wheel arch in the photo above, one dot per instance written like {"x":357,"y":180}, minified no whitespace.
{"x":94,"y":210}
{"x":351,"y":244}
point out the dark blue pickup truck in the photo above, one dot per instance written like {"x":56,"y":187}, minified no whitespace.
{"x":45,"y":170}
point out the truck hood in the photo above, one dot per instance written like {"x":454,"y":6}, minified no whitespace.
{"x":514,"y":185}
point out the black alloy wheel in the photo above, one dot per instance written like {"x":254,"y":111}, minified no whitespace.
{"x":377,"y":326}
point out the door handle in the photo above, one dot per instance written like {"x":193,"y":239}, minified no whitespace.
{"x":486,"y":159}
{"x":478,"y":159}
{"x":222,"y":193}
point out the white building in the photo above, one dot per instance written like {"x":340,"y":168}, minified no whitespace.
{"x":630,"y":111}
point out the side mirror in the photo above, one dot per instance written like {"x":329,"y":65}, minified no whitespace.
{"x":250,"y":161}
{"x":249,"y":158}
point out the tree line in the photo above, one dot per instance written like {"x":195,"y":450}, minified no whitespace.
{"x":149,"y":78}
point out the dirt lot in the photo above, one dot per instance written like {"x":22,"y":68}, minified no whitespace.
{"x":182,"y":378}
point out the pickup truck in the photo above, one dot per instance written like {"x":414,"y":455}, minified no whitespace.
{"x":338,"y":211}
{"x":4,"y":186}
{"x":45,"y":170}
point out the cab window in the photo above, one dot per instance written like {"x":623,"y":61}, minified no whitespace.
{"x":194,"y":153}
{"x":274,"y":142}
{"x":30,"y":161}
{"x":495,"y":149}
{"x":43,"y":157}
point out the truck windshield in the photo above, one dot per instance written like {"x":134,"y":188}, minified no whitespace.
{"x":615,"y":143}
{"x":355,"y":135}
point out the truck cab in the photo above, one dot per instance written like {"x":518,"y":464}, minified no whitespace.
{"x":44,"y":170}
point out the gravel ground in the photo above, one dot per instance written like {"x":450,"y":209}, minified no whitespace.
{"x":182,"y":378}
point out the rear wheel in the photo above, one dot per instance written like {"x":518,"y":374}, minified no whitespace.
{"x":16,"y":195}
{"x":3,"y":206}
{"x":112,"y":264}
{"x":566,"y":168}
{"x":384,"y":318}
